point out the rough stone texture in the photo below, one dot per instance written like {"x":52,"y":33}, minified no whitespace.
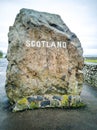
{"x":90,"y":74}
{"x":42,"y":70}
{"x":46,"y":101}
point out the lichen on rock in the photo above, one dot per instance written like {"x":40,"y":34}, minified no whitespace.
{"x":21,"y":104}
{"x":48,"y":101}
{"x":38,"y":63}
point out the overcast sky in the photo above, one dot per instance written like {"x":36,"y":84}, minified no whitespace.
{"x":79,"y":15}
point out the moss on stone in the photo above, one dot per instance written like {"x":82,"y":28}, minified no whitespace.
{"x":21,"y":105}
{"x":78,"y":105}
{"x":81,"y":104}
{"x":22,"y":101}
{"x":64,"y":101}
{"x":33,"y":105}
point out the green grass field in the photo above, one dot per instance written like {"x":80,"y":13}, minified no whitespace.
{"x":91,"y":60}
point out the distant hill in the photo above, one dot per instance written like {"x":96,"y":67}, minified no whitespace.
{"x":90,"y":56}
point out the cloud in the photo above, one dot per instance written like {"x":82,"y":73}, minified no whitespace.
{"x":92,"y":52}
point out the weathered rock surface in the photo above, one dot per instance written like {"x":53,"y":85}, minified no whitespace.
{"x":37,"y":68}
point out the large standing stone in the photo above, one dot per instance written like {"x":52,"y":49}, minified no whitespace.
{"x":45,"y":57}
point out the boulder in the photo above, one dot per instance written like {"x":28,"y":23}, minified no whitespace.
{"x":44,"y":57}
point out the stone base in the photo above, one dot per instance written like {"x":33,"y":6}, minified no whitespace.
{"x":48,"y":101}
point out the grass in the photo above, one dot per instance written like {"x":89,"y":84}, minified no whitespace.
{"x":91,"y":60}
{"x":1,"y":54}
